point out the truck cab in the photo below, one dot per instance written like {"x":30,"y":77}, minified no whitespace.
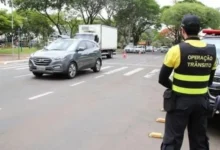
{"x":88,"y":36}
{"x":105,"y":36}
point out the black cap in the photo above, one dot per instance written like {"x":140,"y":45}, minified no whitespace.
{"x":190,"y":21}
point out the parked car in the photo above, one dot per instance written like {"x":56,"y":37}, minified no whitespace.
{"x":164,"y":49}
{"x":129,"y":48}
{"x":139,"y":49}
{"x":149,"y":48}
{"x":211,"y":38}
{"x":66,"y":56}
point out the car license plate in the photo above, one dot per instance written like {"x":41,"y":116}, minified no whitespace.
{"x":41,"y":68}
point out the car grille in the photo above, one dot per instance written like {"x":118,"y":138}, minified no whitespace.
{"x":42,"y":61}
{"x":216,"y":79}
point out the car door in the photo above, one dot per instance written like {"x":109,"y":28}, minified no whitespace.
{"x":82,"y":55}
{"x":92,"y":52}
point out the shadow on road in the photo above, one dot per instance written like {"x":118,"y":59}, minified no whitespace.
{"x":214,"y":126}
{"x":62,"y":77}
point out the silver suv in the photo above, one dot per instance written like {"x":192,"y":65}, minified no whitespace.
{"x":66,"y":56}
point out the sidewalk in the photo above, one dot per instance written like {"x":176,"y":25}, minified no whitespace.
{"x":9,"y":57}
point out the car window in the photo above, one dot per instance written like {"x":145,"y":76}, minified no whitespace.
{"x":90,"y":44}
{"x":83,"y":44}
{"x":216,"y":42}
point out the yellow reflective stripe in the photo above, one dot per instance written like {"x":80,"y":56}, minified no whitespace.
{"x":191,"y":77}
{"x":190,"y":90}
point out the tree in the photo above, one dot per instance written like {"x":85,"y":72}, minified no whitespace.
{"x":32,"y":24}
{"x":3,"y":1}
{"x":111,"y":8}
{"x":5,"y":23}
{"x":137,"y":16}
{"x":70,"y":21}
{"x":42,"y":6}
{"x":172,"y":17}
{"x":88,"y":9}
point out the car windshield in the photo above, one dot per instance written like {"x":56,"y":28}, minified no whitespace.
{"x":61,"y":45}
{"x":216,"y":42}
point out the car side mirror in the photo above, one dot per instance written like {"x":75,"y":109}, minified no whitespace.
{"x":81,"y":49}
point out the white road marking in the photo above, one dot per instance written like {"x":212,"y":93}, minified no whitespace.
{"x":157,"y":66}
{"x":116,"y":70}
{"x":21,"y":68}
{"x":157,"y":57}
{"x":40,"y":95}
{"x":0,"y":109}
{"x":99,"y":76}
{"x":77,"y":83}
{"x":22,"y":75}
{"x":150,"y":74}
{"x":5,"y":68}
{"x":103,"y":68}
{"x":133,"y":71}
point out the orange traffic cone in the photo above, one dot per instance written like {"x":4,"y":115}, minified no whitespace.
{"x":124,"y":55}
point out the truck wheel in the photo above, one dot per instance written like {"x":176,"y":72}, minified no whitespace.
{"x":98,"y":66}
{"x":72,"y":70}
{"x":110,"y":55}
{"x":37,"y":74}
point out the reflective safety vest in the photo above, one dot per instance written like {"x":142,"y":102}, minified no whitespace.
{"x":191,"y":77}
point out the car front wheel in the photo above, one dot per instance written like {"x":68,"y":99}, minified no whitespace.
{"x":72,"y":70}
{"x":98,"y":66}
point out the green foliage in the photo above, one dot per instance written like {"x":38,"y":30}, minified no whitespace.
{"x":137,"y":16}
{"x":89,"y":9}
{"x":172,"y":16}
{"x":42,"y":7}
{"x":6,"y":24}
{"x":32,"y":23}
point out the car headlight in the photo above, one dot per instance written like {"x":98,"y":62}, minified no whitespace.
{"x":32,"y":55}
{"x":59,"y":58}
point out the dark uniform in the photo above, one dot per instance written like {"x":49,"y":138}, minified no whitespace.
{"x":193,"y":62}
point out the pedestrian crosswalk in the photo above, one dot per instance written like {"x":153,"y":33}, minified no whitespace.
{"x":126,"y":71}
{"x":21,"y":66}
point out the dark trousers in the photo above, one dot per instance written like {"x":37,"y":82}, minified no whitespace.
{"x":190,"y":112}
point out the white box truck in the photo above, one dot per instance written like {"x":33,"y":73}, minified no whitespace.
{"x":105,"y":36}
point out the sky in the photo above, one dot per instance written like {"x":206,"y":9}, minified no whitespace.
{"x":210,"y":3}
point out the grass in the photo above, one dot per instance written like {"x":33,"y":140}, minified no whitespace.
{"x":25,"y":50}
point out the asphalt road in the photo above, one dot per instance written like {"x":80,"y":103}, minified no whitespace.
{"x":114,"y":109}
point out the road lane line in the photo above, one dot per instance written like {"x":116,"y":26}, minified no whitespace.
{"x":157,"y":66}
{"x":99,"y":76}
{"x":103,"y":68}
{"x":5,"y":68}
{"x":133,"y":71}
{"x":0,"y":109}
{"x":77,"y":83}
{"x":21,"y":68}
{"x":40,"y":95}
{"x":116,"y":70}
{"x":150,"y":74}
{"x":22,"y":75}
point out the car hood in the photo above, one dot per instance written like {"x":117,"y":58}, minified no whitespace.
{"x":50,"y":54}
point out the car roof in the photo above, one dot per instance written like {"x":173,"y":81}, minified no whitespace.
{"x":78,"y":40}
